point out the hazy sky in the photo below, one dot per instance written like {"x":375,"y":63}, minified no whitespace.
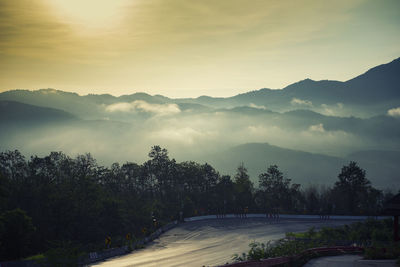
{"x":183,"y":48}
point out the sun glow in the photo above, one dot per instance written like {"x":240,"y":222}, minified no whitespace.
{"x":89,"y":14}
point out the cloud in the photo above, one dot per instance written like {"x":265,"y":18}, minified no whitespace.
{"x":120,"y":107}
{"x":317,"y":128}
{"x":297,"y":101}
{"x":140,"y":105}
{"x":257,"y":106}
{"x":394,"y":112}
{"x":183,"y":136}
{"x":332,"y":110}
{"x":186,"y":136}
{"x":316,"y":139}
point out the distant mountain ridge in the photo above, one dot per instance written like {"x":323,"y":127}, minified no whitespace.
{"x":298,"y":165}
{"x":18,"y":117}
{"x":318,"y":122}
{"x":379,"y":88}
{"x":304,"y":167}
{"x":12,"y":111}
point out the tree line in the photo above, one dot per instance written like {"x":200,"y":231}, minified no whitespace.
{"x":49,"y":200}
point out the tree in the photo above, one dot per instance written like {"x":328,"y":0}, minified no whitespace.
{"x":373,"y":201}
{"x":85,"y":166}
{"x":311,"y":199}
{"x":15,"y":237}
{"x":278,"y":192}
{"x":225,"y":193}
{"x":13,"y":165}
{"x":4,"y":189}
{"x":243,"y":188}
{"x":351,"y":189}
{"x":131,"y":174}
{"x":159,"y":167}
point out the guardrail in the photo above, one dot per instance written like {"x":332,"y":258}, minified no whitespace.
{"x":284,"y":216}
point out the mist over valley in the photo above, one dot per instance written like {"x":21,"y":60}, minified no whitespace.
{"x":309,"y":129}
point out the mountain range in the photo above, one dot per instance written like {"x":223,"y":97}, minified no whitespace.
{"x":309,"y":128}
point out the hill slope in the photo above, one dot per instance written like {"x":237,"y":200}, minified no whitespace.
{"x":305,"y":168}
{"x":15,"y":112}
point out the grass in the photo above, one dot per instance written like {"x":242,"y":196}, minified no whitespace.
{"x":34,"y":257}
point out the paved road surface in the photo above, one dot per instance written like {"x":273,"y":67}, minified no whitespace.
{"x":211,"y":242}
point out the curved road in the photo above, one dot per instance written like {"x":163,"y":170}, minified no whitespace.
{"x":211,"y":242}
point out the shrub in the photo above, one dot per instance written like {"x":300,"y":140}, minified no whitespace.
{"x":63,"y":254}
{"x":388,"y":252}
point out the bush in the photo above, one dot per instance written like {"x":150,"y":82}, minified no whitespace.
{"x":380,"y":253}
{"x":279,"y":248}
{"x":63,"y":254}
{"x":381,"y":235}
{"x":370,"y":231}
{"x":311,"y":232}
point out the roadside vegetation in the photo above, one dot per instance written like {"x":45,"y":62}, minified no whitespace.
{"x":374,"y":236}
{"x":57,"y":203}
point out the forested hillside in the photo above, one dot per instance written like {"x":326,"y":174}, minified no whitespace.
{"x":56,"y":200}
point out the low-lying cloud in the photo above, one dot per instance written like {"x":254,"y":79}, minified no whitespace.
{"x":252,"y":105}
{"x":187,"y":135}
{"x":394,"y":112}
{"x":332,"y":110}
{"x":300,"y":102}
{"x":317,"y":128}
{"x":143,"y":106}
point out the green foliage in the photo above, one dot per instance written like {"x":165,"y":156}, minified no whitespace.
{"x":353,"y":192}
{"x":4,"y":188}
{"x":371,"y":231}
{"x":76,"y":200}
{"x":16,"y":230}
{"x":237,"y":257}
{"x":382,"y":252}
{"x":279,"y":248}
{"x":37,"y":257}
{"x":382,"y":235}
{"x":277,"y":192}
{"x":56,"y":198}
{"x":243,"y":189}
{"x":62,"y":254}
{"x":311,"y":233}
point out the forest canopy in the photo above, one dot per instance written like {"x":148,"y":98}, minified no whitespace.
{"x":57,"y":198}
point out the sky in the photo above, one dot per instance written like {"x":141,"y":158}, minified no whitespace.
{"x":188,"y":48}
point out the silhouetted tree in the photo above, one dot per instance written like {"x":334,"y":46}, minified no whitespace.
{"x":278,"y":192}
{"x":13,"y":165}
{"x":311,"y":199}
{"x":225,"y":194}
{"x":243,"y":189}
{"x":351,"y":189}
